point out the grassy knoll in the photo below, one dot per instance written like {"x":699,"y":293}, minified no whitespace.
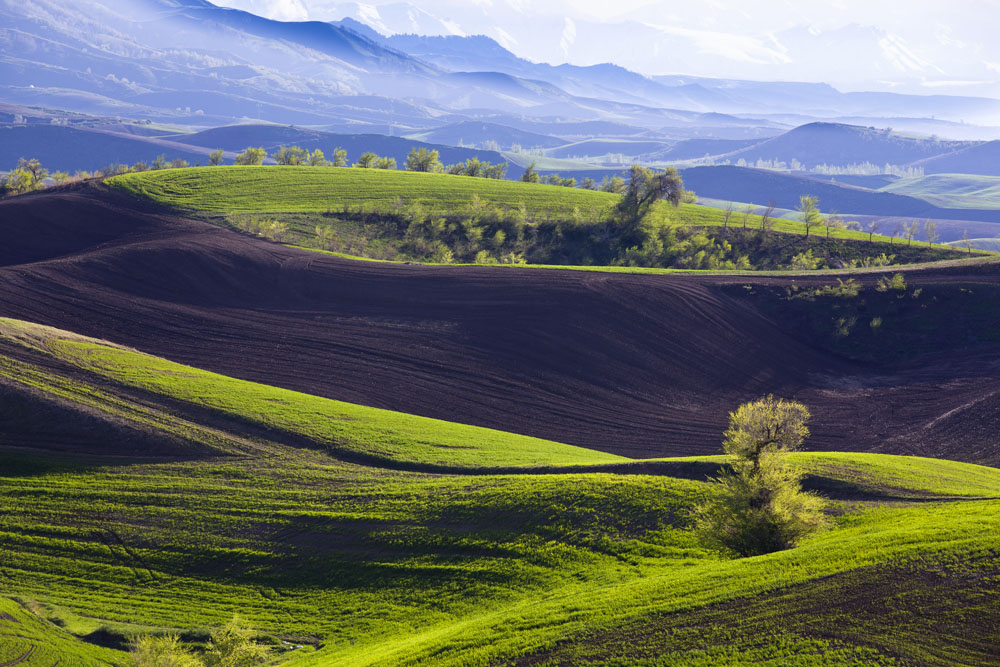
{"x":361,"y":563}
{"x":320,"y":189}
{"x":440,"y":218}
{"x":270,"y":189}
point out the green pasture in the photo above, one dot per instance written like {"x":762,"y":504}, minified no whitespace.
{"x":313,"y":531}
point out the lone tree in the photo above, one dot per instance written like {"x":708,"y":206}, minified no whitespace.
{"x":215,"y":158}
{"x":645,"y":187}
{"x":530,"y":174}
{"x":758,"y":505}
{"x":810,"y":212}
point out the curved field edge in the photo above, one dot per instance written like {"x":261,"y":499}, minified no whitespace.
{"x":392,"y":438}
{"x":380,"y":435}
{"x":286,"y":189}
{"x":964,"y":262}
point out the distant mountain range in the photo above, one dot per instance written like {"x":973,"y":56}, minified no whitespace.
{"x":191,"y":62}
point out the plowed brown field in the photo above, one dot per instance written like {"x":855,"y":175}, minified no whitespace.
{"x":639,"y":365}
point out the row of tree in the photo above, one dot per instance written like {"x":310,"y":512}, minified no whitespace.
{"x":419,"y":159}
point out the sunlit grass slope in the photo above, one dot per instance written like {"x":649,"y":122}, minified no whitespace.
{"x":272,"y":189}
{"x":27,"y":640}
{"x":345,"y":429}
{"x":368,"y":564}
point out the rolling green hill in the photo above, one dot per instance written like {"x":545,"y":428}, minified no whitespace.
{"x":952,"y":190}
{"x":360,"y":562}
{"x":329,"y":189}
{"x":319,"y":189}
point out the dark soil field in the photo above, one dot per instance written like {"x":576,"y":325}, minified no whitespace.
{"x":640,"y":365}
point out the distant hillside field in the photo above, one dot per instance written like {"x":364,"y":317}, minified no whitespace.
{"x":952,"y":190}
{"x":993,"y":245}
{"x":729,"y":183}
{"x":837,"y":144}
{"x":982,"y":159}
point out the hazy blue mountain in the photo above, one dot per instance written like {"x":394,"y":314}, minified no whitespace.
{"x":71,"y":149}
{"x":836,"y":144}
{"x":982,"y":159}
{"x":271,"y":137}
{"x":475,"y":133}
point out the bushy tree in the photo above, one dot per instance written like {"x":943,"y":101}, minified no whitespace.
{"x":160,"y":162}
{"x":317,"y":159}
{"x":422,"y":159}
{"x":385,"y":162}
{"x":495,"y":171}
{"x":645,"y":187}
{"x":252,"y":156}
{"x":27,"y":176}
{"x":291,"y":155}
{"x":166,"y":651}
{"x":35,"y":168}
{"x":233,"y":645}
{"x":530,"y":174}
{"x":215,"y":158}
{"x":19,"y":181}
{"x":613,"y":184}
{"x":338,"y":158}
{"x":367,"y":160}
{"x":757,"y":505}
{"x":324,"y":234}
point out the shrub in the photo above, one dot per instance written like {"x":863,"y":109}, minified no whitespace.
{"x":897,"y":283}
{"x":233,"y":645}
{"x":166,"y":651}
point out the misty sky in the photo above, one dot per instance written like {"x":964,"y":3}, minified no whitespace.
{"x":912,"y":45}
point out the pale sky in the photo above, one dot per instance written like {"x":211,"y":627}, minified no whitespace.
{"x":912,"y":45}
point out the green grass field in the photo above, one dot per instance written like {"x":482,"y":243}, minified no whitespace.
{"x":221,"y":190}
{"x":952,"y":190}
{"x":299,"y":513}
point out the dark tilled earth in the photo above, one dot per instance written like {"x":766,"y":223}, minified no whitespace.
{"x":633,"y":364}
